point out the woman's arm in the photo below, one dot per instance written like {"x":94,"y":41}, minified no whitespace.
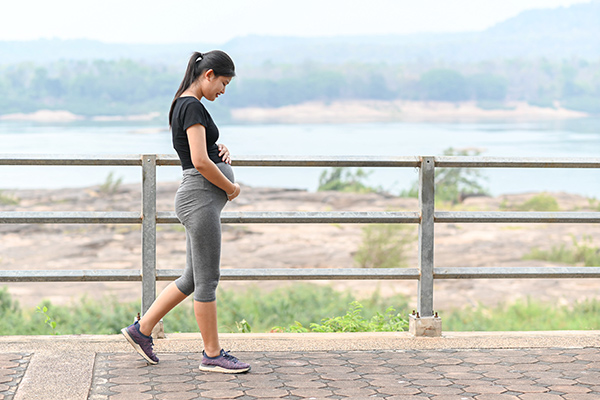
{"x":197,"y":140}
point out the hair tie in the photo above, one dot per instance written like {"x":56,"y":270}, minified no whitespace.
{"x":200,"y":57}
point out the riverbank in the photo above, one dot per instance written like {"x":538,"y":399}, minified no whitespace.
{"x":117,"y":246}
{"x":348,"y":111}
{"x":398,"y":110}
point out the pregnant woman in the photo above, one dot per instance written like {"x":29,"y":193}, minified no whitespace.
{"x":206,"y":186}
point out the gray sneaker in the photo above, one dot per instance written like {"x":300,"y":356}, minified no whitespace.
{"x":224,"y":362}
{"x":141,"y":343}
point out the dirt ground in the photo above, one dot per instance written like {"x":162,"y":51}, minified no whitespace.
{"x":81,"y":246}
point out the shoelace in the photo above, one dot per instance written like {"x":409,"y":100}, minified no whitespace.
{"x":228,"y":356}
{"x":152,"y":346}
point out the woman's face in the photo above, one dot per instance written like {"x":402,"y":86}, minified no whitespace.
{"x":213,"y":86}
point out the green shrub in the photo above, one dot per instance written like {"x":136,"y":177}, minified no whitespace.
{"x":594,"y":204}
{"x":111,"y":184}
{"x":583,"y":252}
{"x":7,"y":304}
{"x":8,"y":200}
{"x":384,"y":246}
{"x":353,"y":321}
{"x":345,"y":180}
{"x":48,"y":319}
{"x":539,"y":202}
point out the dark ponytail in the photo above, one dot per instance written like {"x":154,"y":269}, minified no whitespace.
{"x":217,"y":60}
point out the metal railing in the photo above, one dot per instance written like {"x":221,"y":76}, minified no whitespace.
{"x":426,"y":217}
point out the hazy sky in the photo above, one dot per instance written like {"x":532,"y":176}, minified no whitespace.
{"x":166,"y":21}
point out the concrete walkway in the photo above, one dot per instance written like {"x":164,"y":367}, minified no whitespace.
{"x":393,"y":366}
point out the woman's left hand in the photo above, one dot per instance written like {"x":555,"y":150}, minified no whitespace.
{"x":224,"y":154}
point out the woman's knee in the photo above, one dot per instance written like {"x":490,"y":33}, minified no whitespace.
{"x":206,"y":290}
{"x":185,"y":286}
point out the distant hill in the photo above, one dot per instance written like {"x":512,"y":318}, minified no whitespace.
{"x":553,"y":33}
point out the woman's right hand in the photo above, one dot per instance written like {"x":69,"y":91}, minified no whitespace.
{"x":235,"y":193}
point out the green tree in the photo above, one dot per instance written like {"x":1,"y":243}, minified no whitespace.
{"x":444,"y":85}
{"x":488,"y":87}
{"x":345,"y":180}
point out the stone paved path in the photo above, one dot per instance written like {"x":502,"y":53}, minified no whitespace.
{"x":12,"y":369}
{"x":481,"y":374}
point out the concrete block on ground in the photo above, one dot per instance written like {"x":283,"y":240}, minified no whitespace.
{"x":424,"y":326}
{"x":159,"y":331}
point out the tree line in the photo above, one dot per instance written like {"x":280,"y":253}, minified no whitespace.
{"x":125,"y":87}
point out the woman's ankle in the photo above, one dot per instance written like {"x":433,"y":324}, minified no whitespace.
{"x":212,"y":353}
{"x":145,"y":329}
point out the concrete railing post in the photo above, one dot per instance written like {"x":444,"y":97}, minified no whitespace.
{"x":424,"y":323}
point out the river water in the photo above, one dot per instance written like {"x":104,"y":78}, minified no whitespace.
{"x":565,"y":138}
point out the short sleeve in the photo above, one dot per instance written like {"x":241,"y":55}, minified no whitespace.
{"x":194,"y":114}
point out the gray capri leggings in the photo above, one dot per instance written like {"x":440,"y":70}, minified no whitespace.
{"x":198,"y":205}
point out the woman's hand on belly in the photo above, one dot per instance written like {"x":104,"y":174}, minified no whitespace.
{"x":224,"y":154}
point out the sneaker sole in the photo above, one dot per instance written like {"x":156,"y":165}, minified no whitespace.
{"x":216,"y":368}
{"x":137,"y":347}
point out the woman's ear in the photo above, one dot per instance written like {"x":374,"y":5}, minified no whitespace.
{"x":209,"y":74}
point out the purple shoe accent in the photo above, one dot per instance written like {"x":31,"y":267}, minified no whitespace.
{"x":224,"y":362}
{"x":141,"y":343}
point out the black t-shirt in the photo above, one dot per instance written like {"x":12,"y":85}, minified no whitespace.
{"x":190,"y":111}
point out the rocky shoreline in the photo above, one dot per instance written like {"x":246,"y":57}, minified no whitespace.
{"x":364,"y":111}
{"x":79,"y":246}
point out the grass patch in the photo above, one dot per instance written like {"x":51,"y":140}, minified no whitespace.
{"x":8,"y":199}
{"x":579,"y":253}
{"x":384,"y":246}
{"x":526,"y":315}
{"x":111,"y":184}
{"x":539,"y":202}
{"x":298,"y":308}
{"x":252,"y":309}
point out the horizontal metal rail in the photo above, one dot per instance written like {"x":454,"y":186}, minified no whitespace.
{"x":87,"y":275}
{"x":519,"y":216}
{"x":515,"y":162}
{"x":299,"y":217}
{"x":516,"y":272}
{"x":70,"y":217}
{"x":71,"y":159}
{"x":270,"y":274}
